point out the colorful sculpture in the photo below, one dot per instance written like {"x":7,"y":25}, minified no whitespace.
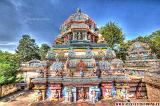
{"x":71,"y":53}
{"x":103,"y":66}
{"x":123,"y":93}
{"x":78,"y":57}
{"x":89,"y":53}
{"x":113,"y":92}
{"x":57,"y":67}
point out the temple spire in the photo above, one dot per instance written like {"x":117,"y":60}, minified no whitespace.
{"x":78,"y":10}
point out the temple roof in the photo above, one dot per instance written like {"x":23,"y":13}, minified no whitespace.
{"x":78,"y":20}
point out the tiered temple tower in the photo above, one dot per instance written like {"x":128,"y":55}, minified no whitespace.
{"x":80,"y":67}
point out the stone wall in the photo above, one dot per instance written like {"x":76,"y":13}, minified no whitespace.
{"x":7,"y":89}
{"x":153,"y":93}
{"x":153,"y":87}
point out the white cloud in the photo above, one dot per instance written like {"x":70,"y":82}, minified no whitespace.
{"x":8,"y":44}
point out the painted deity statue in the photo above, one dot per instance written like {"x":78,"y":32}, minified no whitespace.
{"x":55,"y":95}
{"x":123,"y":92}
{"x":113,"y":92}
{"x":103,"y":66}
{"x":107,"y":94}
{"x":60,"y":54}
{"x":71,"y":53}
{"x":94,"y":71}
{"x":89,"y":53}
{"x":51,"y":54}
{"x":118,"y":93}
{"x":81,"y":67}
{"x":57,"y":67}
{"x":39,"y":95}
{"x":67,"y":68}
{"x":93,"y":96}
{"x":40,"y":74}
{"x":101,"y":53}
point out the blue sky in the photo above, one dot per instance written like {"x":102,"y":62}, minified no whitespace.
{"x":41,"y":19}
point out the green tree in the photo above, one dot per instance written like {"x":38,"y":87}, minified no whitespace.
{"x":8,"y":67}
{"x":27,"y":49}
{"x":115,"y":39}
{"x":43,"y":51}
{"x":112,"y":33}
{"x":154,"y":42}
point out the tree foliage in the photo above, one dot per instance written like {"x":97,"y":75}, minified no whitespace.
{"x":27,"y":49}
{"x":112,"y":33}
{"x":43,"y":51}
{"x":114,"y":36}
{"x":154,"y":42}
{"x":8,"y":67}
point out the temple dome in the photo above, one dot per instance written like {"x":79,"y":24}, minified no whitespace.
{"x":138,"y":46}
{"x":78,"y":20}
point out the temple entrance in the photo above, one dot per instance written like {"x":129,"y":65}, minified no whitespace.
{"x":82,"y":93}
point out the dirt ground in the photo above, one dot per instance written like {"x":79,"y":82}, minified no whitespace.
{"x":27,"y":98}
{"x":21,"y":98}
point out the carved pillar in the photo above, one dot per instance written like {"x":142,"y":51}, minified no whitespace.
{"x":43,"y":94}
{"x":73,"y":38}
{"x":85,"y":35}
{"x":59,"y":94}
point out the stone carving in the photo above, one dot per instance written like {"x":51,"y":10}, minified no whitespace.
{"x":89,"y":53}
{"x":101,"y":53}
{"x":123,"y":92}
{"x":71,"y":53}
{"x":110,"y":53}
{"x":50,"y":54}
{"x":68,"y":71}
{"x":40,"y":74}
{"x":104,"y":66}
{"x":57,"y":67}
{"x":81,"y":67}
{"x":60,"y":54}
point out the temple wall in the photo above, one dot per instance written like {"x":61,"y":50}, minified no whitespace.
{"x":28,"y":76}
{"x":153,"y":93}
{"x":7,"y":89}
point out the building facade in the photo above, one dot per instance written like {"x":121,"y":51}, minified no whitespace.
{"x":81,"y":67}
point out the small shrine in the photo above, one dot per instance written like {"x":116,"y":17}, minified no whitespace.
{"x":81,"y":67}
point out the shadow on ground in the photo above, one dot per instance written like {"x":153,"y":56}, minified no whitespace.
{"x":100,"y":103}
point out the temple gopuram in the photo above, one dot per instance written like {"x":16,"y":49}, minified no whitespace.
{"x":81,"y":67}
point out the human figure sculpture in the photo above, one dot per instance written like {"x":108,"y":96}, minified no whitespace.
{"x":65,"y":39}
{"x":55,"y":95}
{"x":94,"y":96}
{"x":81,"y":67}
{"x":101,"y":53}
{"x":113,"y":92}
{"x":57,"y":67}
{"x":118,"y":93}
{"x":71,"y":53}
{"x":103,"y":66}
{"x":39,"y":95}
{"x":67,"y":68}
{"x":107,"y":94}
{"x":60,"y":54}
{"x":70,"y":97}
{"x":89,"y":53}
{"x":138,"y":93}
{"x":123,"y":93}
{"x":93,"y":73}
{"x":41,"y":74}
